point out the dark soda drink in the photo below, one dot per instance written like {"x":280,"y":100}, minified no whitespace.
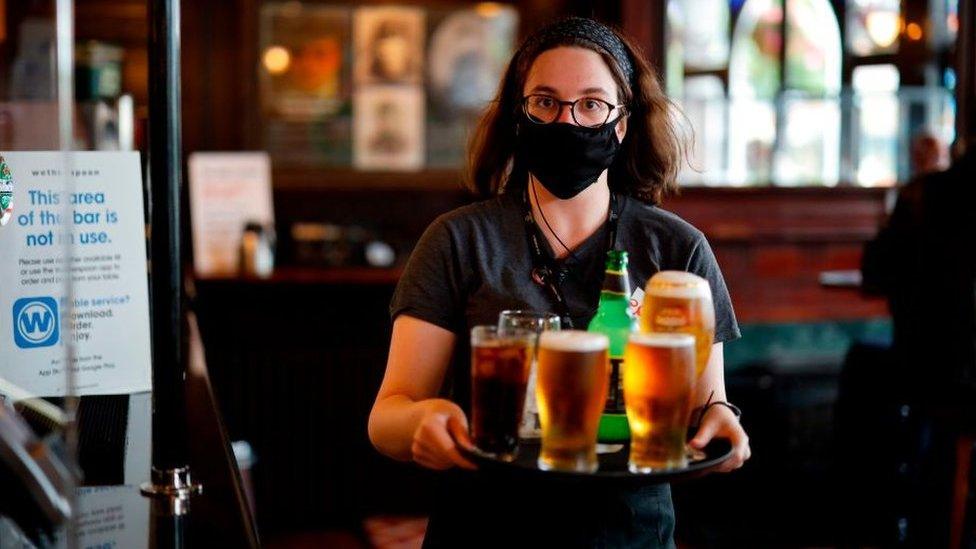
{"x":500,"y":368}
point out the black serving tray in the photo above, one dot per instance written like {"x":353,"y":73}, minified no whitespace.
{"x":613,"y":466}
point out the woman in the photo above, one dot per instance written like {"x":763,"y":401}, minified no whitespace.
{"x":576,"y":150}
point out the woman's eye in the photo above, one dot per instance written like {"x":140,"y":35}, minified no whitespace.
{"x":546,"y":102}
{"x":592,"y":105}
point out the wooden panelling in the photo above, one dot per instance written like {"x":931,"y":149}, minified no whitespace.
{"x":772,"y":244}
{"x":295,"y":368}
{"x":775,"y":214}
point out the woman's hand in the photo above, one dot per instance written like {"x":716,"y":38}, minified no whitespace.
{"x":720,"y":422}
{"x":442,"y":428}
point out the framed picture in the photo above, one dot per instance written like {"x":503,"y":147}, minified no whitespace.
{"x":388,"y":128}
{"x":467,"y":55}
{"x":304,"y":60}
{"x":468,"y":50}
{"x":389,"y":45}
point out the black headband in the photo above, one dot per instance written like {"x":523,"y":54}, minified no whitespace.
{"x":587,"y":30}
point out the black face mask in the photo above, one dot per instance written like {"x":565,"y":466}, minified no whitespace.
{"x":566,"y":158}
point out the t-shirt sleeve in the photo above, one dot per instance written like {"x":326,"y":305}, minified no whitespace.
{"x":702,"y":263}
{"x":431,"y":287}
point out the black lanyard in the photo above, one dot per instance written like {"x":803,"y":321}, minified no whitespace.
{"x":545,"y":270}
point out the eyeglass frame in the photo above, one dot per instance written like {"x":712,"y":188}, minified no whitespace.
{"x":572,"y":109}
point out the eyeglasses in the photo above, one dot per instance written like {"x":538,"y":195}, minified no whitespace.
{"x":589,"y":112}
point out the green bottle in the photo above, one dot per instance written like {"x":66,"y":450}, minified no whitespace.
{"x":615,"y":320}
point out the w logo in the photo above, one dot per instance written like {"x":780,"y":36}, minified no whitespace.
{"x":36,"y":322}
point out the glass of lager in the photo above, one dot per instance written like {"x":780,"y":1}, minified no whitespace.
{"x":657,"y":395}
{"x":676,"y":301}
{"x":536,"y":322}
{"x":572,"y":390}
{"x":500,"y":363}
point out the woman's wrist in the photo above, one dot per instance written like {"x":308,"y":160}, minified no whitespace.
{"x":698,"y":414}
{"x":736,"y":411}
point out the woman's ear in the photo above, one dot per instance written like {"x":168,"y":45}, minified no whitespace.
{"x":621,"y":129}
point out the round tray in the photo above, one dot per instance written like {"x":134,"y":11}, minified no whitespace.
{"x":613,"y":465}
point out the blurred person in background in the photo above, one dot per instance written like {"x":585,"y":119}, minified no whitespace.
{"x":929,"y":153}
{"x":923,"y":261}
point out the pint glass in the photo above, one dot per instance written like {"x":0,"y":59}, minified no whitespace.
{"x":536,"y":322}
{"x":573,"y":372}
{"x":499,"y":374}
{"x":657,"y":395}
{"x":676,"y":301}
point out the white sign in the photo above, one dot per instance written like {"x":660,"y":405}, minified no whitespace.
{"x":113,"y":517}
{"x":227,"y":190}
{"x":102,"y":220}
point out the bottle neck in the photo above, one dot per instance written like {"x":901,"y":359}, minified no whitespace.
{"x":615,"y":283}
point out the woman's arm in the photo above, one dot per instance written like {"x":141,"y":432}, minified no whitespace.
{"x":713,"y":378}
{"x":407,"y":421}
{"x":719,"y":421}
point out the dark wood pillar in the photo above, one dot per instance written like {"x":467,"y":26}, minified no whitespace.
{"x":645,"y":22}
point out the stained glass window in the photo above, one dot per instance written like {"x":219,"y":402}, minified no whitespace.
{"x":703,"y":106}
{"x":873,"y":26}
{"x":945,"y":21}
{"x":707,"y":40}
{"x":778,"y":111}
{"x":754,"y":67}
{"x":675,"y":58}
{"x":792,"y":136}
{"x":876,"y":109}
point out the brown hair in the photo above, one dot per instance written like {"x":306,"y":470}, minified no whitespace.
{"x":646,"y":166}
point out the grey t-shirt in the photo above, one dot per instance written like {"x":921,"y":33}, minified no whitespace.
{"x":476,"y":261}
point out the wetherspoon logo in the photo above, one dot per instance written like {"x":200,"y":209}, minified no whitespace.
{"x":36,"y":322}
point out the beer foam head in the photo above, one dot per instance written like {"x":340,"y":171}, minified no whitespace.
{"x":576,"y":341}
{"x":678,"y":284}
{"x":662,"y":339}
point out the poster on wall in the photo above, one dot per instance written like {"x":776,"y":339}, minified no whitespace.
{"x":389,"y":45}
{"x":388,"y":133}
{"x":467,"y":56}
{"x":305,"y":75}
{"x":100,"y":217}
{"x":468,"y":50}
{"x":227,"y":191}
{"x":304,"y":58}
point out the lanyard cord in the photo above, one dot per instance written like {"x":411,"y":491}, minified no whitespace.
{"x":545,"y":269}
{"x":535,"y":193}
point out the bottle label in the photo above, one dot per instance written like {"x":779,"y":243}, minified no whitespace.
{"x":636,"y":302}
{"x":615,"y":390}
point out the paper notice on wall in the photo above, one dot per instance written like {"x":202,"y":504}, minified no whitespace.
{"x":106,"y":316}
{"x":111,"y":517}
{"x":227,"y":191}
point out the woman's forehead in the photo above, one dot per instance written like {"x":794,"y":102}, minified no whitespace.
{"x":569,"y":72}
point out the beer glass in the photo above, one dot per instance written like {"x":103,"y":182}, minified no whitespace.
{"x":572,"y":389}
{"x":657,"y":395}
{"x":537,"y":322}
{"x":676,"y":301}
{"x":500,"y":364}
